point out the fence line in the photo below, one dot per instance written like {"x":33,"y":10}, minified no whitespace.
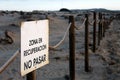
{"x":9,"y":61}
{"x":71,"y":31}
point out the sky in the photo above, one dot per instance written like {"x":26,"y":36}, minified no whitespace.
{"x":30,"y":5}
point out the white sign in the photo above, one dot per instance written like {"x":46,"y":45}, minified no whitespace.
{"x":34,"y":45}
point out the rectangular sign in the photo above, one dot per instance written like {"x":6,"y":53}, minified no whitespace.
{"x":34,"y":45}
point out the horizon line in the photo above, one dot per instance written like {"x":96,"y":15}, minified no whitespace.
{"x":59,"y":9}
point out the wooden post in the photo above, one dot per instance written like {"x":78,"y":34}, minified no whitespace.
{"x":31,"y":75}
{"x":86,"y":44}
{"x":104,"y":26}
{"x":99,"y":29}
{"x":94,"y":33}
{"x":72,"y":48}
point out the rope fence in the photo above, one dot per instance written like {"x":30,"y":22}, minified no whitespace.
{"x":102,"y":26}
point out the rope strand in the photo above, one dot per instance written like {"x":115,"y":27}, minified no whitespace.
{"x":91,"y":23}
{"x":98,"y":21}
{"x":81,"y":25}
{"x":9,"y":61}
{"x":61,"y":41}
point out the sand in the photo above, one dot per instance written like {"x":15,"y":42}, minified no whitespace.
{"x":104,"y":64}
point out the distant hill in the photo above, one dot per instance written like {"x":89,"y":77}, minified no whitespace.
{"x":64,"y":10}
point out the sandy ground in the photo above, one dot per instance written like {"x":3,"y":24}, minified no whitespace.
{"x":104,"y":64}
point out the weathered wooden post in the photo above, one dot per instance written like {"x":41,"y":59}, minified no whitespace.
{"x":86,"y":44}
{"x":94,"y":32}
{"x":99,"y":29}
{"x":104,"y":26}
{"x":72,"y":48}
{"x":31,"y":75}
{"x":101,"y":33}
